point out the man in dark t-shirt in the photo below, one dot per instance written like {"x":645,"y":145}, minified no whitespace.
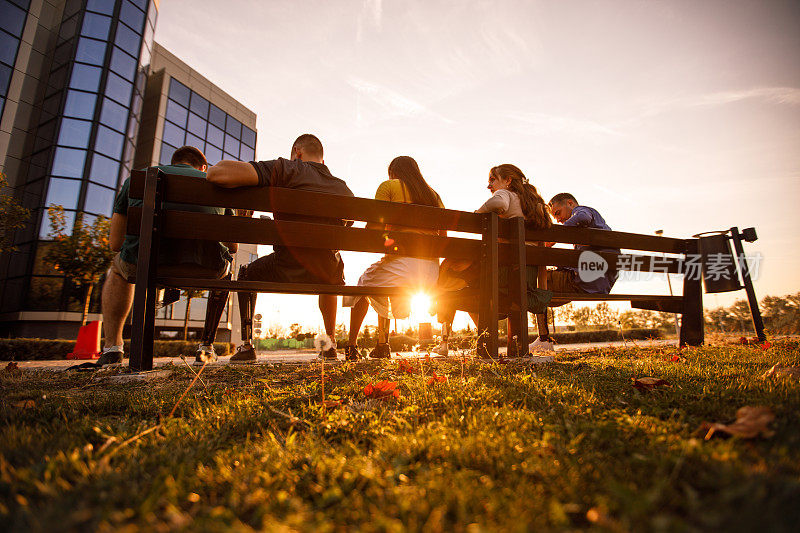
{"x":305,"y":170}
{"x":176,"y":257}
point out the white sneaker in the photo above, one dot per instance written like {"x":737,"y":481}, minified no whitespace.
{"x":541,"y":346}
{"x":440,"y":349}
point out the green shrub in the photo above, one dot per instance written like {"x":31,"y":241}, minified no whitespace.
{"x":607,"y":335}
{"x":41,"y":349}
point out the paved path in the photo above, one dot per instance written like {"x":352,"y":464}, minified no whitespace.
{"x":300,"y":356}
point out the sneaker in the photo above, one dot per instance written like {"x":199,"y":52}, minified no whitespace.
{"x":329,"y":354}
{"x":538,"y":359}
{"x":541,"y":346}
{"x":205,"y":354}
{"x":244,"y":354}
{"x":440,"y":349}
{"x":351,"y":353}
{"x":381,"y":351}
{"x":110,"y":358}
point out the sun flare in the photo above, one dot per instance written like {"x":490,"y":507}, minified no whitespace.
{"x":420,"y":306}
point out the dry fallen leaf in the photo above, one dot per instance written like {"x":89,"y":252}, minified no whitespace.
{"x":405,"y":366}
{"x":383,"y":390}
{"x":750,"y":423}
{"x":331,"y":404}
{"x":12,"y":366}
{"x":25,"y":404}
{"x":780,"y":371}
{"x":647,"y":383}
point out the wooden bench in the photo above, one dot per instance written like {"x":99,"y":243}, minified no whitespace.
{"x":489,"y":239}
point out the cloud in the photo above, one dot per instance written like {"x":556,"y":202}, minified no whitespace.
{"x":390,"y":102}
{"x":776,"y":95}
{"x":371,"y":14}
{"x":546,"y":124}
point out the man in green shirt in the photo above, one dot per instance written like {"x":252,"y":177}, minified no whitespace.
{"x":176,"y":257}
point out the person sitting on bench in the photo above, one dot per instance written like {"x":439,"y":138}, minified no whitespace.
{"x":512,"y":196}
{"x":306,"y":171}
{"x":405,"y":185}
{"x":176,"y":257}
{"x":567,"y":211}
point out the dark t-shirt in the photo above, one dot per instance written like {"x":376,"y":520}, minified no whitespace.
{"x":210,"y":254}
{"x":588,"y":217}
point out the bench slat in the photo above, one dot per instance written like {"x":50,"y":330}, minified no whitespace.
{"x":608,"y":239}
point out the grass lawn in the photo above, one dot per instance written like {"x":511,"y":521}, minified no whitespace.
{"x":511,"y":447}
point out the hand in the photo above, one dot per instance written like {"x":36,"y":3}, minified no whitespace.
{"x":244,"y":213}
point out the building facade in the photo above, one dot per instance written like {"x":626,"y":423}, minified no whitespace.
{"x":85,"y":96}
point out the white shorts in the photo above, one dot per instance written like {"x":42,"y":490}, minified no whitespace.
{"x":396,"y":271}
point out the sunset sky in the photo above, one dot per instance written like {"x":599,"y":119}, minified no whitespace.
{"x":674,"y":115}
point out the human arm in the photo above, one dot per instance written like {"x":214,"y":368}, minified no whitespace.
{"x":117,"y":229}
{"x":581,"y":217}
{"x":498,"y":203}
{"x":232,"y":174}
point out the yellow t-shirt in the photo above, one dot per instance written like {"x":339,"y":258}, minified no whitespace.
{"x":396,"y":191}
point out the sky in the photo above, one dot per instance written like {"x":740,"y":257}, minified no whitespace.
{"x":674,"y":115}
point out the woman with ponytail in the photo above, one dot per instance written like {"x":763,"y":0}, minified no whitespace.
{"x":405,"y":185}
{"x":512,"y":196}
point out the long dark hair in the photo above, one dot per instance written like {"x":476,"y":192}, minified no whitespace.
{"x":406,"y":170}
{"x":533,"y":205}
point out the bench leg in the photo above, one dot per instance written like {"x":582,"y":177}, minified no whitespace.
{"x":487,"y":321}
{"x":692,"y":306}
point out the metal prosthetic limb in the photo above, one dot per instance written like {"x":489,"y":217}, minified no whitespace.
{"x":216,"y":305}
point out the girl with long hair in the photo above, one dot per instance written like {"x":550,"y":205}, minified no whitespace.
{"x":512,"y":196}
{"x":405,"y":185}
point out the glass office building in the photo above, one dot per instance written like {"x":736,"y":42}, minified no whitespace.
{"x":86,"y":95}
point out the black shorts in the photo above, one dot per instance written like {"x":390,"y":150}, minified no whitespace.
{"x":296,"y":265}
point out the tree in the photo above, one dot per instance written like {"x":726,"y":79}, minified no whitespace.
{"x":603,"y":315}
{"x":294,"y":330}
{"x":12,"y":217}
{"x":82,"y":255}
{"x":189,"y":294}
{"x":581,"y":316}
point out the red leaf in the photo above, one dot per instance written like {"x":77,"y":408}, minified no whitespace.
{"x":766,"y":345}
{"x":383,"y":390}
{"x":405,"y":366}
{"x":437,"y":379}
{"x":674,"y":359}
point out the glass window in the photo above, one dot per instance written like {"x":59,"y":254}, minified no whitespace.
{"x":231,"y":145}
{"x":215,"y":136}
{"x":57,"y":80}
{"x":196,"y":125}
{"x":80,"y":105}
{"x":62,"y":53}
{"x":118,"y":88}
{"x":114,"y":115}
{"x":123,"y":64}
{"x":108,"y":142}
{"x":90,"y":51}
{"x":101,"y":6}
{"x":141,"y":4}
{"x":127,"y":39}
{"x":74,"y":133}
{"x":173,"y":134}
{"x":2,"y":105}
{"x":5,"y":78}
{"x":199,"y":105}
{"x":132,"y":16}
{"x":8,"y":48}
{"x":12,"y":18}
{"x":233,"y":126}
{"x":192,"y":140}
{"x":248,"y":137}
{"x":68,"y":28}
{"x":68,"y":162}
{"x":229,"y":156}
{"x":85,"y":77}
{"x":213,"y":154}
{"x":63,"y":192}
{"x":179,"y":92}
{"x":99,"y":200}
{"x":104,"y":170}
{"x":45,"y":293}
{"x":216,"y":116}
{"x":247,"y":154}
{"x":166,"y":154}
{"x":176,"y":113}
{"x":96,"y":26}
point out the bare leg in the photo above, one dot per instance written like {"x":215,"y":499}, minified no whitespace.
{"x":383,"y":330}
{"x":541,"y":320}
{"x":357,"y":314}
{"x":327,"y":306}
{"x":117,"y":298}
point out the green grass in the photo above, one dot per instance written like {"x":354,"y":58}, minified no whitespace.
{"x":569,"y":445}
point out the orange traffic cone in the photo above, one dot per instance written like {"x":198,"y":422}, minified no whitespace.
{"x":88,"y":344}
